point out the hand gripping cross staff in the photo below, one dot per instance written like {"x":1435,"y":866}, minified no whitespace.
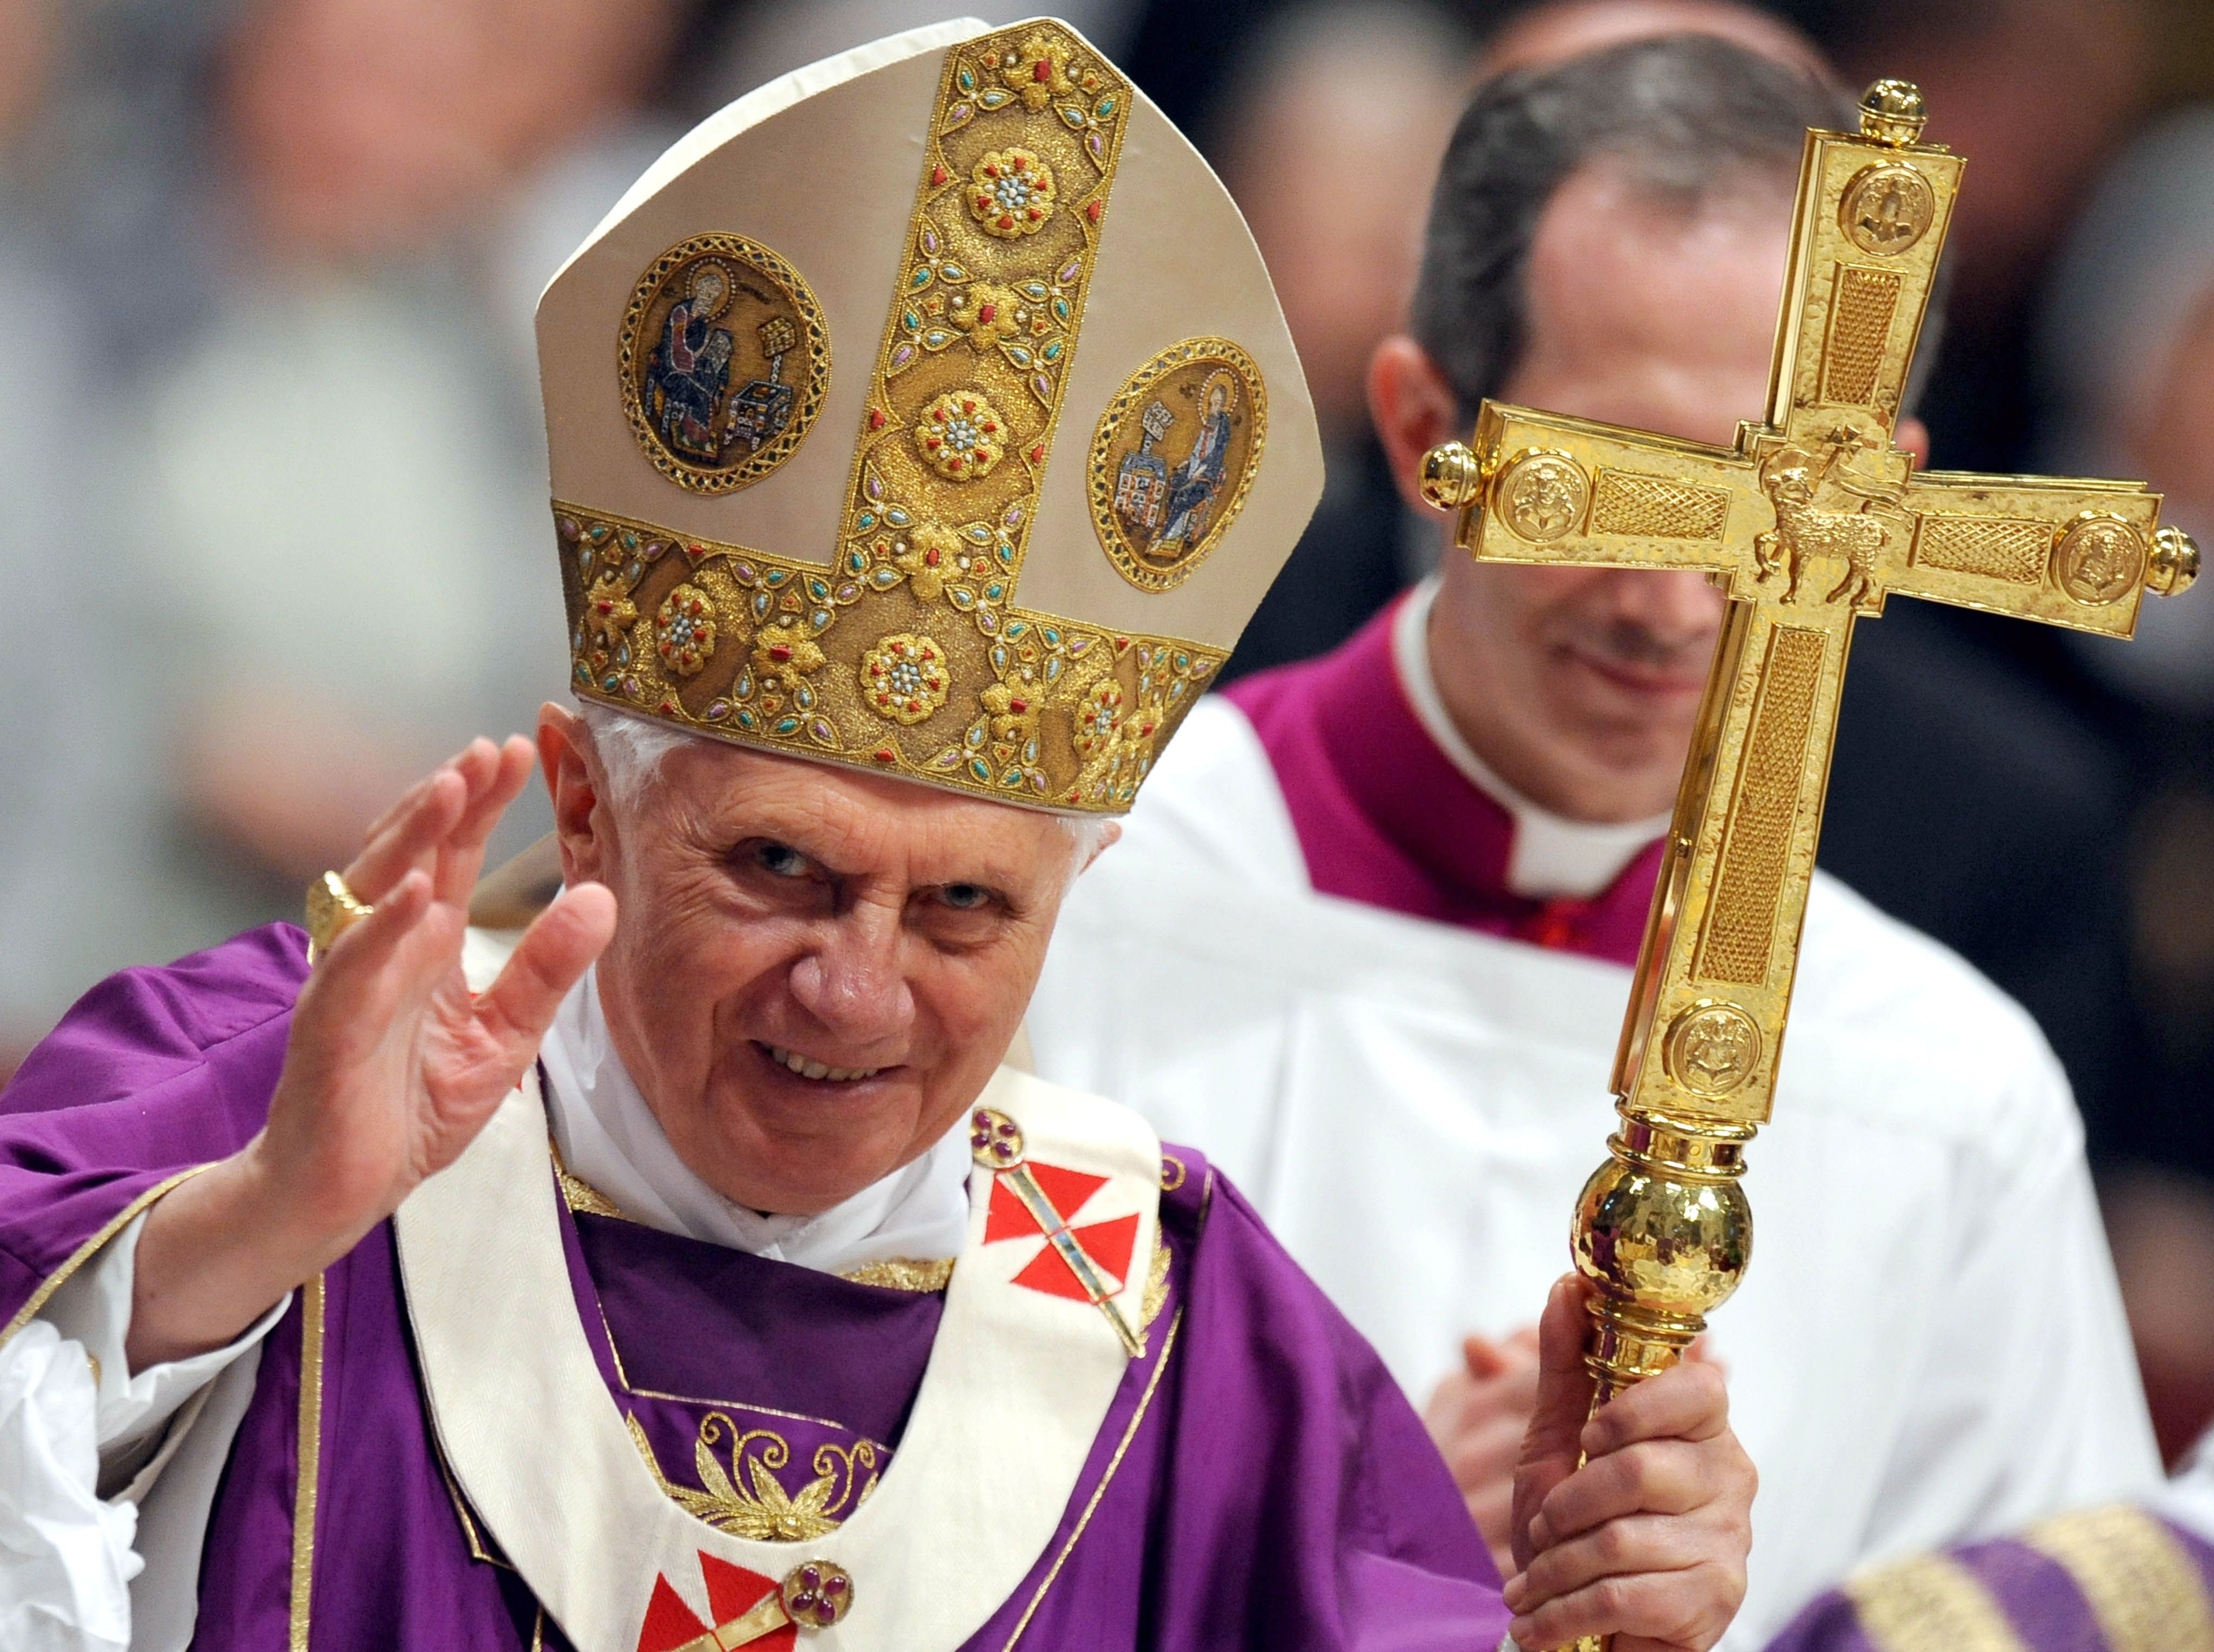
{"x":1808,"y":523}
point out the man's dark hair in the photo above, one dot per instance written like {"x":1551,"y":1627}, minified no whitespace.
{"x":1684,"y":114}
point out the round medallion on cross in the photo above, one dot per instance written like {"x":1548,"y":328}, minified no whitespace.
{"x":1713,"y":1048}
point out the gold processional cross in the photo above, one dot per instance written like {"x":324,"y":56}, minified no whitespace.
{"x":1809,"y":523}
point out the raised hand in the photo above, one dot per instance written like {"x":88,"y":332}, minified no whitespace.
{"x":391,"y":1069}
{"x":1647,"y":1540}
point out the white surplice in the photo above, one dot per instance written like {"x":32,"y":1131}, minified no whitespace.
{"x":1929,"y":1344}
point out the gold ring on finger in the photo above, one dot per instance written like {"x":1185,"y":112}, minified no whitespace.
{"x":333,"y":908}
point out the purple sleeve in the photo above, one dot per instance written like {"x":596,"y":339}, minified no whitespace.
{"x":152,"y":1072}
{"x":1310,"y":1509}
{"x":2099,"y":1579}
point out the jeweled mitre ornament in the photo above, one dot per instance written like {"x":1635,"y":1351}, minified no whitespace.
{"x":927,"y":411}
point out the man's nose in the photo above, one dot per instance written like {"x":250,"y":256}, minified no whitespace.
{"x":1674,"y":604}
{"x":850,"y":981}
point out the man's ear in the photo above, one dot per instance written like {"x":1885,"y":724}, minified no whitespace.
{"x":581,"y":827}
{"x":1414,"y":409}
{"x":1914,"y":436}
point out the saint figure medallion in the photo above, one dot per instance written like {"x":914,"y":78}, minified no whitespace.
{"x":724,"y":362}
{"x":1174,"y":457}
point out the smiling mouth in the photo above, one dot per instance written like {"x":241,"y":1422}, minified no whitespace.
{"x":807,"y":1067}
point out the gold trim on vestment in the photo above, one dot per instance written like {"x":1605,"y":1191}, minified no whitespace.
{"x":905,"y":1274}
{"x":583,"y":1198}
{"x":309,"y":1462}
{"x":921,"y":1274}
{"x":2143,"y":1589}
{"x":1145,"y":1400}
{"x":1106,"y":1479}
{"x":1930,"y":1603}
{"x":54,"y":1281}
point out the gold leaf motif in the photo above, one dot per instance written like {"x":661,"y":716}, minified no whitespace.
{"x":1038,"y":72}
{"x":1157,"y":1284}
{"x":931,"y":557}
{"x":785,"y":650}
{"x":760,"y":1509}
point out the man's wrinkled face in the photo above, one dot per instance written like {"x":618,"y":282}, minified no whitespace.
{"x":814,"y":974}
{"x":1660,"y":316}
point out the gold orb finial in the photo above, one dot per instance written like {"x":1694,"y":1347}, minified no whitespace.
{"x":1893,"y":112}
{"x":2174,"y":562}
{"x":1451,"y":476}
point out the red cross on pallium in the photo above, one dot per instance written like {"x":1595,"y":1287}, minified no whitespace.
{"x":1107,"y":1243}
{"x":732,"y":1592}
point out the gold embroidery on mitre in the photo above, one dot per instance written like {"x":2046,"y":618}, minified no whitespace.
{"x":725,"y":361}
{"x":1173,"y":458}
{"x":2144,"y":1590}
{"x":1003,"y":703}
{"x":906,"y":655}
{"x":747,"y":1499}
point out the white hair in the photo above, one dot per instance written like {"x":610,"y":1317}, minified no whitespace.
{"x":631,"y":749}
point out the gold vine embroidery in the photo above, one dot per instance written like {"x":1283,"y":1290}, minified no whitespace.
{"x":975,"y":357}
{"x":747,"y":1499}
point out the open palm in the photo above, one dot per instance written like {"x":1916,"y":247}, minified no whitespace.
{"x":394,"y":1065}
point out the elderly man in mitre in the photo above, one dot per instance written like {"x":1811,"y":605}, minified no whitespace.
{"x":684,"y":1270}
{"x":1369,"y":933}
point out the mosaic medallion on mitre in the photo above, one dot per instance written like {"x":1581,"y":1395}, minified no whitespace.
{"x":1173,"y":458}
{"x":724,"y":362}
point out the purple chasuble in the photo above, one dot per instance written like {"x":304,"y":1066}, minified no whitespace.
{"x":2100,"y":1581}
{"x":1258,"y":1480}
{"x":1384,"y":817}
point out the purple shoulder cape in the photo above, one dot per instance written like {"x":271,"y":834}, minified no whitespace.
{"x":2101,"y":1580}
{"x":1259,"y":1480}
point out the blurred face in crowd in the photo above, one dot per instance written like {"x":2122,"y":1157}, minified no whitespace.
{"x":1580,"y":686}
{"x":814,"y":973}
{"x":367,"y":127}
{"x":1330,"y":150}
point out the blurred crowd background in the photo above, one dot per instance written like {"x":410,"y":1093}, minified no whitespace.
{"x":273,"y":535}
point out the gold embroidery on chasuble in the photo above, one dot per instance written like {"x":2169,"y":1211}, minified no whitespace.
{"x":748,"y":1498}
{"x":1930,"y":1603}
{"x":2144,"y":1588}
{"x":905,"y":654}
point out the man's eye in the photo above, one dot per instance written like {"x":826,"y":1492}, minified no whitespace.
{"x":965,"y":897}
{"x":780,"y":860}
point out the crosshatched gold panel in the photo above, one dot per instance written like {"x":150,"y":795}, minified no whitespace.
{"x":1996,"y":547}
{"x":1653,"y":507}
{"x":1741,"y":928}
{"x":1860,"y":326}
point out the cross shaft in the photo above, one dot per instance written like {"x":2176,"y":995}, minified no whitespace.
{"x":1810,"y":521}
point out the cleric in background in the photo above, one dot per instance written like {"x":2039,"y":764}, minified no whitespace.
{"x":683,"y":1270}
{"x":1368,"y":934}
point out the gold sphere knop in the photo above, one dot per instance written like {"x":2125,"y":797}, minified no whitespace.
{"x":1451,"y":476}
{"x":2174,"y":562}
{"x":1894,"y":111}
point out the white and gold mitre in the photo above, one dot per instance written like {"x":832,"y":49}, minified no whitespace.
{"x":928,"y":411}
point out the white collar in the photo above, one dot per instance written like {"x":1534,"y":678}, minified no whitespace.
{"x":608,"y":1137}
{"x":1552,"y":855}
